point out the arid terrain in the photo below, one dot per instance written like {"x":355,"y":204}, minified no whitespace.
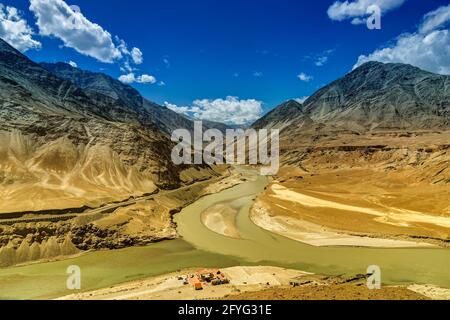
{"x":85,"y":163}
{"x":135,"y":222}
{"x":86,"y":168}
{"x":358,"y":186}
{"x":365,"y":158}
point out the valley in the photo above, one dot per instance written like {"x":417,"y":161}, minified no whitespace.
{"x":87,"y":178}
{"x":200,"y":247}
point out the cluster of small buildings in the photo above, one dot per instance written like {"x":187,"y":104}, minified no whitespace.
{"x":204,"y":277}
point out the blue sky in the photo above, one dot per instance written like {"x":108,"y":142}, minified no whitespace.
{"x":253,"y":50}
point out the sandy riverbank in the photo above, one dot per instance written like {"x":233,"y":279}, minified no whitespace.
{"x":170,"y":286}
{"x":353,"y":208}
{"x":261,"y":283}
{"x":316,"y":235}
{"x":430,"y":291}
{"x":221,"y":218}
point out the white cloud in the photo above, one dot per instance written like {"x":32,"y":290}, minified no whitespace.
{"x":357,"y":10}
{"x":122,"y":46}
{"x":128,"y":78}
{"x":131,"y":78}
{"x":177,"y":109}
{"x":73,"y":64}
{"x":435,"y":19}
{"x":161,"y":83}
{"x":56,"y":18}
{"x":229,"y":110}
{"x":134,"y":56}
{"x":427,"y":48}
{"x":304,"y":77}
{"x":126,"y":67}
{"x":15,"y":30}
{"x":302,"y":99}
{"x":145,"y":78}
{"x":320,"y":61}
{"x":137,"y":56}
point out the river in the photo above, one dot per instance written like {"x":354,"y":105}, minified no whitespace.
{"x":201,"y":247}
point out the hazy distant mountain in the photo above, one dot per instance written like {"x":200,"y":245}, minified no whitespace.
{"x":99,"y":84}
{"x":375,"y":96}
{"x":168,"y":120}
{"x":281,"y":116}
{"x":70,"y":143}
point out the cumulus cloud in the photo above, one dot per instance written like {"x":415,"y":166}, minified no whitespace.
{"x":435,"y":19}
{"x":56,"y":18}
{"x":427,"y":48}
{"x":131,"y":78}
{"x":128,"y":78}
{"x":357,"y":10}
{"x":182,"y":109}
{"x":304,"y":77}
{"x":231,"y":110}
{"x":73,"y":64}
{"x":134,"y":55}
{"x":145,"y":78}
{"x":15,"y":30}
{"x":137,"y":56}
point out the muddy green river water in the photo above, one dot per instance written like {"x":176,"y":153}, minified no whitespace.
{"x":201,"y":247}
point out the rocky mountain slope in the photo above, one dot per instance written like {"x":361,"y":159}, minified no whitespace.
{"x":378,"y":138}
{"x":375,"y":96}
{"x":282,"y":116}
{"x":99,"y":84}
{"x":383,"y":116}
{"x":73,"y":141}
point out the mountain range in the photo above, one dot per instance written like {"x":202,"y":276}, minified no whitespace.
{"x":375,"y":96}
{"x":100,"y":84}
{"x":71,"y":137}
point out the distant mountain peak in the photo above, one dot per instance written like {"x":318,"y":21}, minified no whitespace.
{"x":375,"y":95}
{"x":292,"y":102}
{"x":373,"y":66}
{"x":98,"y":83}
{"x":370,"y":64}
{"x":281,"y":115}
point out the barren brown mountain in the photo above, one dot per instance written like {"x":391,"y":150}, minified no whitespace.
{"x":71,"y":144}
{"x":368,"y":155}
